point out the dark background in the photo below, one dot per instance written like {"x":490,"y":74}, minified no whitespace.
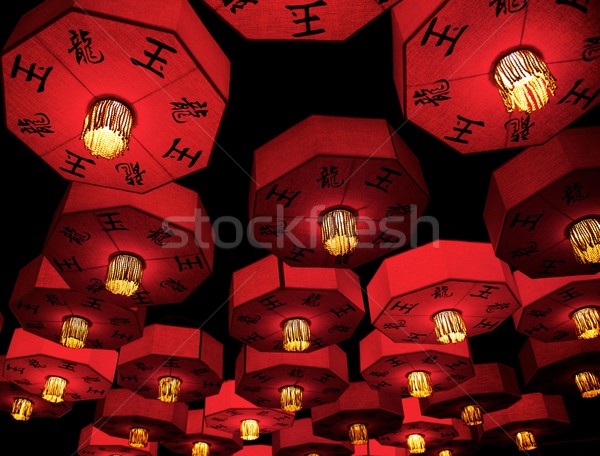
{"x":274,"y":85}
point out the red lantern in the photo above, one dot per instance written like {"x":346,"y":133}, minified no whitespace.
{"x":94,"y":442}
{"x":256,"y":450}
{"x":335,"y":192}
{"x":536,"y":201}
{"x":374,"y":448}
{"x":268,"y":295}
{"x":43,"y":304}
{"x":59,"y":373}
{"x":448,"y":279}
{"x":413,"y":369}
{"x":199,"y":434}
{"x":465,"y":443}
{"x":300,"y":439}
{"x":162,"y":75}
{"x":448,"y":55}
{"x":166,"y":231}
{"x":172,"y":363}
{"x":292,"y":381}
{"x":334,"y":20}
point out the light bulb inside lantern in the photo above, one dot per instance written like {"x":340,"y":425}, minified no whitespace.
{"x":22,"y":409}
{"x":358,"y":434}
{"x":415,"y":443}
{"x":74,"y":332}
{"x":445,"y":453}
{"x":524,"y":81}
{"x":525,"y":441}
{"x":296,"y":335}
{"x":449,"y":327}
{"x":124,"y":275}
{"x":313,"y":454}
{"x":54,"y":389}
{"x":249,"y":430}
{"x":419,"y":384}
{"x":107,"y":129}
{"x":587,"y":322}
{"x":138,"y":437}
{"x":338,"y":232}
{"x":585,"y":240}
{"x":200,"y":449}
{"x":169,"y":388}
{"x":588,"y":384}
{"x":291,"y":398}
{"x":471,"y":415}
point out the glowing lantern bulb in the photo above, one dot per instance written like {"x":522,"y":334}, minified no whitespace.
{"x":169,"y":389}
{"x":200,"y":449}
{"x":588,"y":384}
{"x":124,"y":275}
{"x":291,"y":398}
{"x":338,"y":232}
{"x":22,"y":409}
{"x":471,"y":415}
{"x":415,"y":443}
{"x":296,"y":335}
{"x":54,"y":389}
{"x":138,"y":437}
{"x":358,"y":434}
{"x":107,"y":129}
{"x":419,"y":384}
{"x":449,"y":327}
{"x":249,"y":430}
{"x":587,"y":322}
{"x":74,"y":332}
{"x":585,"y":240}
{"x":525,"y":441}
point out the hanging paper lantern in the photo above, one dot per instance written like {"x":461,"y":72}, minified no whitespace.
{"x":441,"y":292}
{"x":300,"y":439}
{"x":542,"y":207}
{"x":374,"y":448}
{"x":413,"y":369}
{"x":59,"y":373}
{"x":268,"y":297}
{"x":46,"y":306}
{"x":352,"y":193}
{"x":167,"y":229}
{"x":256,"y":450}
{"x":113,"y":96}
{"x":495,"y":75}
{"x":95,"y":442}
{"x":186,"y":362}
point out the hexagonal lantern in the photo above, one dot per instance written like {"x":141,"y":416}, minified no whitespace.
{"x":448,"y":55}
{"x":268,"y":296}
{"x":292,"y":381}
{"x":300,"y":439}
{"x":94,"y":442}
{"x":349,"y":190}
{"x":334,"y":20}
{"x":419,"y":431}
{"x":165,"y":234}
{"x":465,"y":443}
{"x":127,"y":415}
{"x":495,"y":386}
{"x":536,"y":204}
{"x":46,"y":306}
{"x":157,"y":80}
{"x":559,"y":308}
{"x":230,"y":412}
{"x":526,"y":422}
{"x":565,"y":368}
{"x":444,"y":291}
{"x":413,"y":369}
{"x":359,"y":415}
{"x":198,"y":435}
{"x":56,"y":372}
{"x":23,"y":405}
{"x":172,"y":364}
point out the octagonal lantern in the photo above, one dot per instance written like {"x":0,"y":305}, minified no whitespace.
{"x":268,"y":296}
{"x":292,"y":381}
{"x":413,"y":369}
{"x":300,"y":439}
{"x":94,"y":442}
{"x":46,"y":306}
{"x":161,"y":242}
{"x":460,"y":283}
{"x":542,"y":210}
{"x":359,"y":415}
{"x":199,"y":435}
{"x":560,"y":308}
{"x":58,"y":373}
{"x":335,"y":192}
{"x":153,"y":77}
{"x":495,"y":386}
{"x":499,"y":74}
{"x":565,"y":368}
{"x":127,"y":415}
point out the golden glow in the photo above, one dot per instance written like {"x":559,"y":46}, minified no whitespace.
{"x":107,"y":128}
{"x":416,"y":444}
{"x":54,"y":389}
{"x":588,"y":383}
{"x":524,"y":81}
{"x":587,"y":322}
{"x":124,"y":274}
{"x":74,"y":332}
{"x":419,"y":384}
{"x":445,"y":453}
{"x":21,"y":409}
{"x":296,"y":335}
{"x":168,"y":389}
{"x":313,"y":454}
{"x":471,"y":415}
{"x":249,"y":429}
{"x":291,"y":398}
{"x":358,"y":434}
{"x":338,"y":232}
{"x":525,"y":441}
{"x":585,"y":240}
{"x":200,"y":449}
{"x":449,"y":327}
{"x":138,"y":437}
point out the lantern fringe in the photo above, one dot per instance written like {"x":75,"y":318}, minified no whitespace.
{"x":585,"y":240}
{"x":338,"y":232}
{"x":74,"y":332}
{"x":419,"y":384}
{"x":588,"y":384}
{"x":415,"y":443}
{"x":138,"y":437}
{"x":587,"y":322}
{"x":291,"y":398}
{"x":124,"y":274}
{"x":296,"y":335}
{"x":358,"y":434}
{"x":449,"y":327}
{"x":54,"y":389}
{"x":249,"y":430}
{"x":107,"y":129}
{"x":525,"y":441}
